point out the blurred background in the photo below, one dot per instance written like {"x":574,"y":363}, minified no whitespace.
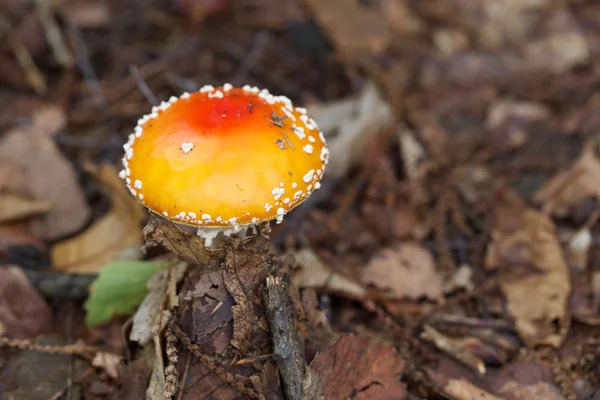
{"x":457,"y":221}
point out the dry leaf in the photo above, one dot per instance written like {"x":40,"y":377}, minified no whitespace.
{"x":12,"y":179}
{"x":355,"y":30}
{"x":48,"y":175}
{"x":314,"y":274}
{"x":460,"y":389}
{"x":145,"y":320}
{"x":567,"y":189}
{"x":361,"y":368}
{"x":86,"y":14}
{"x":14,"y":207}
{"x":108,"y":362}
{"x":534,"y":276}
{"x":348,"y":124}
{"x":522,"y":381}
{"x":406,"y":271}
{"x":116,"y":236}
{"x":23,"y":311}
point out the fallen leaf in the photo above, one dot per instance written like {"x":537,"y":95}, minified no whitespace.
{"x":23,"y":311}
{"x":406,"y":271}
{"x":361,"y":368}
{"x":243,"y":280}
{"x":86,"y":14}
{"x":145,"y":318}
{"x":348,"y":124}
{"x":312,"y":273}
{"x":109,"y":362}
{"x":12,"y":178}
{"x":48,"y":175}
{"x":522,"y":381}
{"x":116,"y":236}
{"x":569,"y":188}
{"x":14,"y":207}
{"x":356,"y":31}
{"x":533,"y":273}
{"x":460,"y":389}
{"x":118,"y":290}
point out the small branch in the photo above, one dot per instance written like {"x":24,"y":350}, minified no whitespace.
{"x":287,"y":351}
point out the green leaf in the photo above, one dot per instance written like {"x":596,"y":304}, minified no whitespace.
{"x":118,"y":290}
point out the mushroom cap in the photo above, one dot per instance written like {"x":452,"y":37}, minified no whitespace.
{"x":224,"y":157}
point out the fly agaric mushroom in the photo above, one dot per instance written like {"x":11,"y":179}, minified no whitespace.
{"x":223,"y":159}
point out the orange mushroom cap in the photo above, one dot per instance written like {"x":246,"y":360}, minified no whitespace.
{"x":224,"y":157}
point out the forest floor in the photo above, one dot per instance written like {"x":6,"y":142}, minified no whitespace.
{"x":453,"y":251}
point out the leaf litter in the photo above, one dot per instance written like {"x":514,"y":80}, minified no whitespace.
{"x":432,"y":110}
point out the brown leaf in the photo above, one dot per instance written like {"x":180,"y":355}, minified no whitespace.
{"x":534,"y":276}
{"x":48,"y":175}
{"x":116,"y":236}
{"x":570,"y":188}
{"x":86,"y":14}
{"x":23,"y":311}
{"x":313,"y":273}
{"x":356,"y":31}
{"x":361,"y":368}
{"x":521,"y":381}
{"x":243,"y":278}
{"x":14,"y":207}
{"x":405,"y":271}
{"x":211,"y":308}
{"x":460,"y":389}
{"x":12,"y":179}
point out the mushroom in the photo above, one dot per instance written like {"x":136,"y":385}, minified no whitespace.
{"x":224,"y":159}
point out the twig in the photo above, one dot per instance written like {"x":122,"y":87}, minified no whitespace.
{"x":185,"y":375}
{"x":142,"y":85}
{"x":60,"y":50}
{"x":287,"y":350}
{"x":35,"y":78}
{"x":22,"y":344}
{"x":256,"y":51}
{"x":84,"y":64}
{"x":236,"y":381}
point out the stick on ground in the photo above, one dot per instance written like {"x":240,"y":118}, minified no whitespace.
{"x":287,"y":351}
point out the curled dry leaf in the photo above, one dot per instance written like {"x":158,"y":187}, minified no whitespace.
{"x":569,"y":188}
{"x":114,"y":237}
{"x":145,"y":320}
{"x":406,"y":271}
{"x":109,"y":362}
{"x":23,"y":311}
{"x":357,"y":367}
{"x":533,"y":273}
{"x":48,"y":175}
{"x":349,"y":123}
{"x":313,"y":273}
